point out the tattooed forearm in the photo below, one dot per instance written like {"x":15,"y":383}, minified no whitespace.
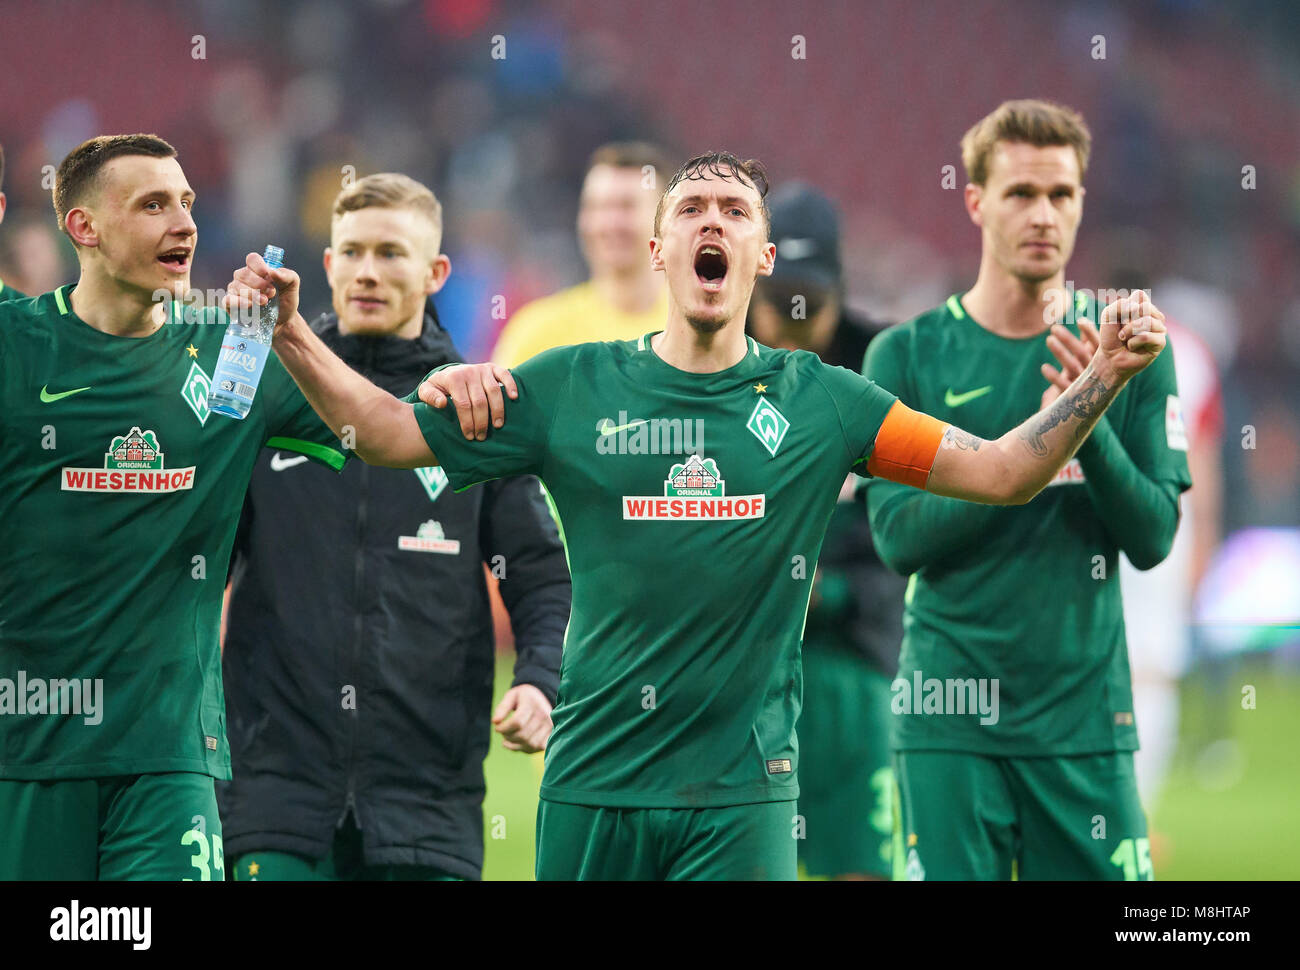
{"x":957,"y":438}
{"x":1084,"y":402}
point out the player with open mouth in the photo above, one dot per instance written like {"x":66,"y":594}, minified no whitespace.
{"x":674,"y":754}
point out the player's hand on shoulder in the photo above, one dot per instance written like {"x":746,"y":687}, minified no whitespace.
{"x":475,"y":390}
{"x":523,"y":719}
{"x":1132,"y":334}
{"x":1074,"y":354}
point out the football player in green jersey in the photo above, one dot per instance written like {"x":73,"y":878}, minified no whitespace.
{"x":6,"y":292}
{"x":1013,"y":717}
{"x":694,"y":472}
{"x":121,"y":497}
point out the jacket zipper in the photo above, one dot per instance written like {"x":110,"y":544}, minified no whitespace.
{"x":358,"y":577}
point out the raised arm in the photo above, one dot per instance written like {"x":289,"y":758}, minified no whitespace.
{"x":378,"y":427}
{"x":1017,"y":466}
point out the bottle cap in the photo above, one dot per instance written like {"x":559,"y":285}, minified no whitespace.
{"x":273,"y":257}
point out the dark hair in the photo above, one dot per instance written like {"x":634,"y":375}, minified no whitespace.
{"x":79,"y":172}
{"x":722,"y":165}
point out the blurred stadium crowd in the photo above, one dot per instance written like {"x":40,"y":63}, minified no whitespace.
{"x":1194,"y":185}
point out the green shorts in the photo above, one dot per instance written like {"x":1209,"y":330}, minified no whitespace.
{"x":969,"y":816}
{"x":162,"y":826}
{"x":345,"y":861}
{"x":846,"y":779}
{"x":730,"y":842}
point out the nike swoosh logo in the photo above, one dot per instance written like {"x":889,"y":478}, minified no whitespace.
{"x":609,"y":429}
{"x":48,"y":398}
{"x":279,"y":464}
{"x":957,"y":400}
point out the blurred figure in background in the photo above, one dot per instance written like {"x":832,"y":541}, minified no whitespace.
{"x":1158,"y":602}
{"x":33,"y":256}
{"x":855,"y":618}
{"x":359,"y":657}
{"x":6,"y":292}
{"x":624,"y":298}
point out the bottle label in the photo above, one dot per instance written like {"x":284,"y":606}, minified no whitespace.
{"x":239,"y":367}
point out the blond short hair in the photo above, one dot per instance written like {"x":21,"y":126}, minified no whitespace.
{"x":391,"y":190}
{"x":1032,"y":122}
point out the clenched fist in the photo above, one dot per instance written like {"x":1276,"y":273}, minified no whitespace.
{"x":1132,"y":334}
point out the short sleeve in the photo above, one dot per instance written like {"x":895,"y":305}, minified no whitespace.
{"x":292,"y":424}
{"x":860,"y":405}
{"x":521,"y":445}
{"x":1155,"y":436}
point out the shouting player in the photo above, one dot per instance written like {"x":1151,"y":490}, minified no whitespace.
{"x":694,"y":471}
{"x":1014,"y":726}
{"x":122,"y":496}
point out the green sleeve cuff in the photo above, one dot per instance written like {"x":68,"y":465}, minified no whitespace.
{"x":322,"y":453}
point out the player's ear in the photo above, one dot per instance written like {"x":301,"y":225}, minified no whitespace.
{"x":81,"y":228}
{"x":974,"y":199}
{"x":656,"y":255}
{"x":439,"y":271}
{"x":326,"y":259}
{"x":767,"y":259}
{"x":2,"y":207}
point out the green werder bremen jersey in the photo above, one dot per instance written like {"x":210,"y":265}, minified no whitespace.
{"x":1013,"y":634}
{"x":121,"y":496}
{"x":693,"y":508}
{"x":9,"y":293}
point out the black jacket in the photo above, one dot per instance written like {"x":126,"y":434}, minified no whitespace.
{"x":861,"y":605}
{"x":359,"y":664}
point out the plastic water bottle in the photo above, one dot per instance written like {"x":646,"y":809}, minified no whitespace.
{"x":244,"y":350}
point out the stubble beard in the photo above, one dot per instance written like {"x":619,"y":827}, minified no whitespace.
{"x":706,"y":325}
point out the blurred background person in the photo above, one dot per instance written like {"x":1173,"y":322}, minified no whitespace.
{"x":1158,"y":602}
{"x":855,"y":617}
{"x":624,"y":298}
{"x":359,"y":651}
{"x":7,"y":291}
{"x":31,"y":257}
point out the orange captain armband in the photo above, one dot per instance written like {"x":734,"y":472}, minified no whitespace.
{"x":905,"y":446}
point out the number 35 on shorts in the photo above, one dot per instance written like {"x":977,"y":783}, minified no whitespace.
{"x":208,"y":856}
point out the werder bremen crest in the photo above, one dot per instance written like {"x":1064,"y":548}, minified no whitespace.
{"x":768,"y":425}
{"x":433,"y":478}
{"x":195,"y":392}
